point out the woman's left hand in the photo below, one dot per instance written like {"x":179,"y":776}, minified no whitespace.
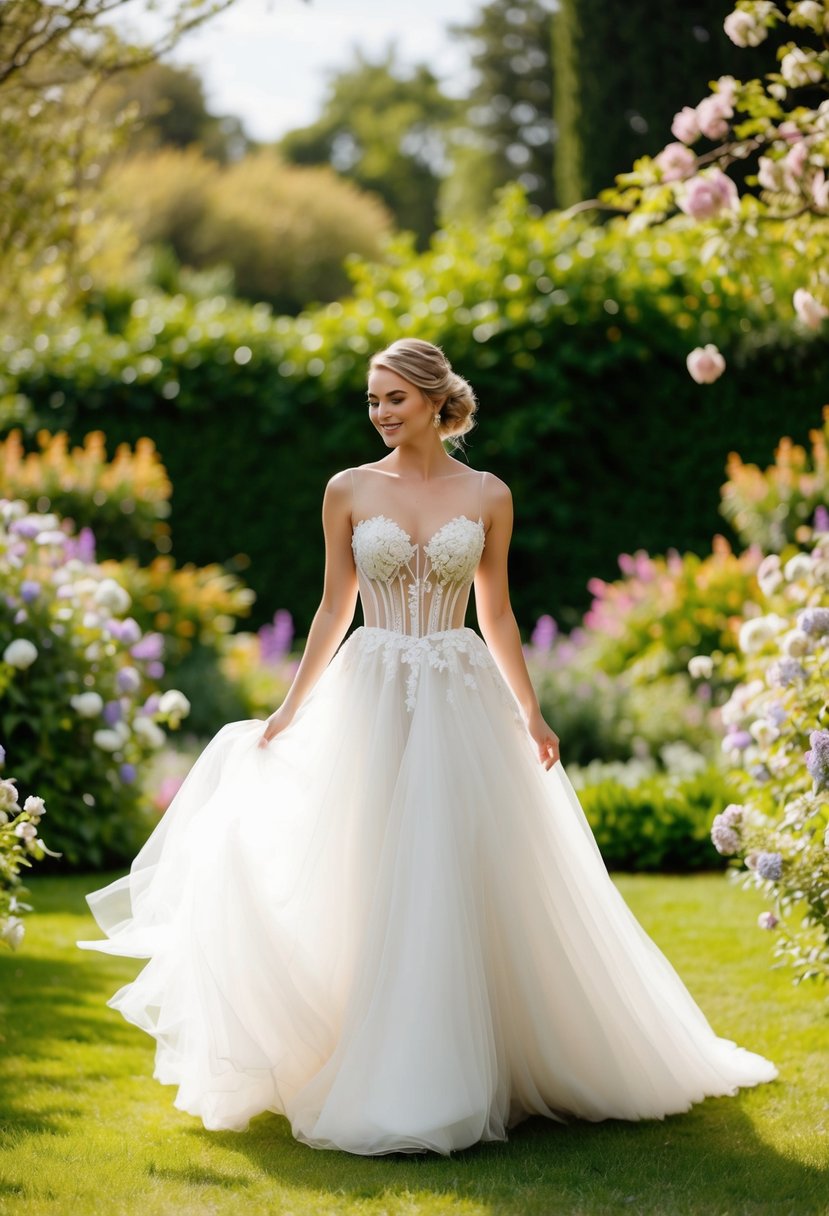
{"x":545,"y":739}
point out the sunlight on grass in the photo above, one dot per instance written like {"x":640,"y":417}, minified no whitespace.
{"x":86,"y":1129}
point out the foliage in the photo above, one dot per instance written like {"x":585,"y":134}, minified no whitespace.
{"x":74,"y":682}
{"x":385,"y":131}
{"x":778,"y":744}
{"x":659,"y":823}
{"x":126,"y":500}
{"x":190,"y":605}
{"x":566,"y":330}
{"x":508,"y":131}
{"x":775,"y":129}
{"x":19,"y":844}
{"x":56,"y":136}
{"x":617,"y":77}
{"x":772,"y":508}
{"x":284,"y":230}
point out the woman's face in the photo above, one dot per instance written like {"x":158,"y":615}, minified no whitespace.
{"x":398,"y":409}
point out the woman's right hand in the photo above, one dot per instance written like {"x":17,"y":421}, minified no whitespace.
{"x":276,"y":722}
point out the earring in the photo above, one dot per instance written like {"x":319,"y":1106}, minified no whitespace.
{"x":436,"y":419}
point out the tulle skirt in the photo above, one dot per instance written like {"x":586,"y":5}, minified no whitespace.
{"x":394,"y":927}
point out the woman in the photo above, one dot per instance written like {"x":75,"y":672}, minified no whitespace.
{"x":385,"y":915}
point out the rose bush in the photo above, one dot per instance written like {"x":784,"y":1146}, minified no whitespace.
{"x":79,"y":688}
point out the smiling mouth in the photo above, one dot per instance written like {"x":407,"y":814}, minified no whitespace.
{"x":391,"y":426}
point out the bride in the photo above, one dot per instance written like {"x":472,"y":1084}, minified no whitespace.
{"x":384,"y":915}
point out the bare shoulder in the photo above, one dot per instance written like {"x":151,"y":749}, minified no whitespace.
{"x":496,"y":492}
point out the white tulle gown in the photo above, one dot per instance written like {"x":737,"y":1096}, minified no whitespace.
{"x":393,"y":925}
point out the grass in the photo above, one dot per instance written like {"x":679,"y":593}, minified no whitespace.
{"x":85,"y":1128}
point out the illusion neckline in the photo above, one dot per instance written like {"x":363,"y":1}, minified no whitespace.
{"x":416,"y":544}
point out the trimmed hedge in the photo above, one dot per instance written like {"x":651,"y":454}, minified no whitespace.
{"x":574,"y":337}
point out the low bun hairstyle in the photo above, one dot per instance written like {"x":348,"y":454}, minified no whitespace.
{"x":427,"y":368}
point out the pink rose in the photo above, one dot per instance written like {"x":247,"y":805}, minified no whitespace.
{"x":809,"y":310}
{"x":705,"y":197}
{"x":676,"y":162}
{"x":685,"y":125}
{"x":705,"y":364}
{"x":712,"y":114}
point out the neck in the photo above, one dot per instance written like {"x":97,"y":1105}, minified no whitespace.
{"x":421,"y":462}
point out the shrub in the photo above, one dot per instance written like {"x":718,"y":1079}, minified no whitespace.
{"x":20,"y":843}
{"x":777,"y":829}
{"x":125,"y":500}
{"x":77,"y":688}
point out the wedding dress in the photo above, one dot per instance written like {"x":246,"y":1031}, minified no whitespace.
{"x":393,"y":925}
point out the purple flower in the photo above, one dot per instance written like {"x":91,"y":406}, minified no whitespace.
{"x":127,"y":631}
{"x":821,"y":519}
{"x":127,"y":773}
{"x":81,"y":546}
{"x":150,"y":706}
{"x":155,"y":670}
{"x":817,"y":760}
{"x":814,"y":620}
{"x":783,"y":672}
{"x":275,"y":640}
{"x":151,"y":646}
{"x":776,"y":713}
{"x":28,"y":526}
{"x":544,"y":633}
{"x":760,"y":773}
{"x":738,"y":738}
{"x":29,"y":590}
{"x":767,"y":920}
{"x":769,"y":865}
{"x":725,"y":838}
{"x":112,"y":712}
{"x":129,"y":679}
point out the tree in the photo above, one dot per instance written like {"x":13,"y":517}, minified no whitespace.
{"x":172,"y":112}
{"x":55,"y":60}
{"x":509,"y":133}
{"x":386,"y":132}
{"x":619,"y":72}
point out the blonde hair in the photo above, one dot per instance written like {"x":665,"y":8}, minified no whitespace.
{"x":427,"y":368}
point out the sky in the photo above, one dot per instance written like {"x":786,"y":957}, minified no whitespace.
{"x":265,"y":60}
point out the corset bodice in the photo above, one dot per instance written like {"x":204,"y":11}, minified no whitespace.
{"x":416,"y":589}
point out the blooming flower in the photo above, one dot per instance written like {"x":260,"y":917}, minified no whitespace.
{"x":783,"y":672}
{"x":705,"y":364}
{"x":149,"y":732}
{"x":814,"y":620}
{"x":712,"y":115}
{"x":817,"y":760}
{"x":87,"y":704}
{"x":29,"y":590}
{"x":724,"y":838}
{"x":708,"y":194}
{"x":676,"y":162}
{"x":769,"y":575}
{"x":767,"y":920}
{"x":769,"y":866}
{"x":127,"y":773}
{"x":12,"y":931}
{"x":112,"y":596}
{"x":20,"y":653}
{"x":744,"y":29}
{"x":34,"y":806}
{"x":809,"y":310}
{"x":799,"y":68}
{"x":685,"y":125}
{"x":701,"y":666}
{"x":107,"y":740}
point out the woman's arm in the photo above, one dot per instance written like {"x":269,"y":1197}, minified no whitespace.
{"x":336,"y":609}
{"x":497,"y":622}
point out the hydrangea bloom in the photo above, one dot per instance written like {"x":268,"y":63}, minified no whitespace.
{"x":769,"y":866}
{"x":817,"y":759}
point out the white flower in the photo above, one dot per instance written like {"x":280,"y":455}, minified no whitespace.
{"x":795,"y":643}
{"x":744,"y":28}
{"x":34,"y":806}
{"x":701,"y":666}
{"x":705,"y":364}
{"x":799,"y":68}
{"x":12,"y":931}
{"x":809,"y":310}
{"x":20,"y":653}
{"x":107,"y":740}
{"x":810,"y":14}
{"x":769,"y":575}
{"x":26,"y":831}
{"x":87,"y":704}
{"x":52,"y":536}
{"x":455,"y":550}
{"x":764,"y":732}
{"x":381,"y":547}
{"x":174,"y":703}
{"x":149,"y":731}
{"x":112,"y":596}
{"x":8,"y":795}
{"x":754,"y":633}
{"x":799,"y":566}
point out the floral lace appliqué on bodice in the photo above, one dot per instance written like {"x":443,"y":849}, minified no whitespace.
{"x":414,"y":590}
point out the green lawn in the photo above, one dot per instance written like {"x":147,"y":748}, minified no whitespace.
{"x":85,"y":1128}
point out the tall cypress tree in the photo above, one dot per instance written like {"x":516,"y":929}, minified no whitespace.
{"x":620,"y":72}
